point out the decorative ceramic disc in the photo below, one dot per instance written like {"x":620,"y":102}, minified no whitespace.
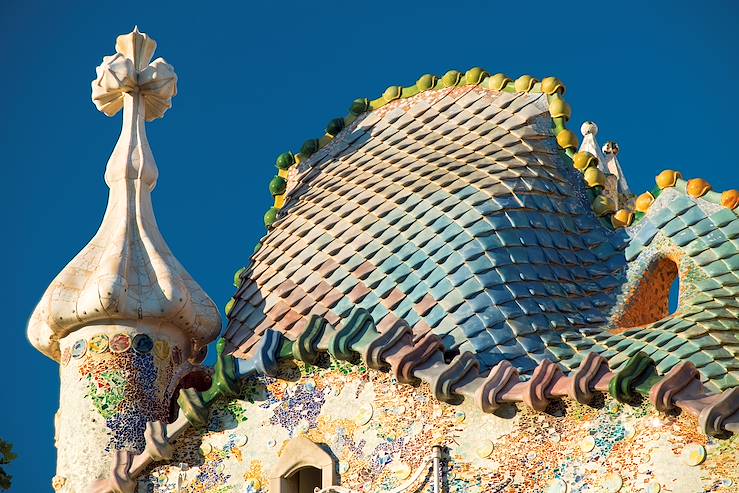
{"x":79,"y":348}
{"x":653,"y":487}
{"x":365,"y":414}
{"x":142,"y":343}
{"x":161,"y":350}
{"x":587,"y":444}
{"x":238,"y":439}
{"x":557,"y":486}
{"x":206,"y":448}
{"x":629,"y":430}
{"x":401,"y":470}
{"x":485,"y":449}
{"x":613,"y":482}
{"x":120,"y":343}
{"x":694,"y":454}
{"x":99,"y":343}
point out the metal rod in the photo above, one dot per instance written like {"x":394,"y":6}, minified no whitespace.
{"x":437,"y":461}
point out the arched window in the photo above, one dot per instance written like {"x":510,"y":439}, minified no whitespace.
{"x":655,"y":295}
{"x":305,"y":480}
{"x":303,"y":467}
{"x":675,"y":295}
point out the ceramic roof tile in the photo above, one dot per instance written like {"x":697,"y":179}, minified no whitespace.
{"x":426,"y":208}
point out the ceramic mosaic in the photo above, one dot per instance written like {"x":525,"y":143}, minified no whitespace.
{"x":112,"y":384}
{"x":380,"y":431}
{"x":122,"y":390}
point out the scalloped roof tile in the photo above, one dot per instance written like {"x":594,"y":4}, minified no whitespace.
{"x":457,"y":210}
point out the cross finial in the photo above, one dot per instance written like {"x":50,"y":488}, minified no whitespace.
{"x":127,"y":272}
{"x":129,"y":71}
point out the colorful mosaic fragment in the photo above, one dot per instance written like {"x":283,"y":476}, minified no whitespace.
{"x":573,"y":447}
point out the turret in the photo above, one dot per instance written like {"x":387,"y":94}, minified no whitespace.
{"x":615,"y":186}
{"x":123,"y":319}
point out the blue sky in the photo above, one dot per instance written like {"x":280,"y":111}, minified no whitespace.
{"x":255,"y":81}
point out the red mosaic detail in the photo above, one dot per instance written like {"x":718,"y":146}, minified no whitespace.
{"x":66,"y":356}
{"x":120,"y":343}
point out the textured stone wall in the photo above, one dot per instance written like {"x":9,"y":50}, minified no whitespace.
{"x":380,"y":432}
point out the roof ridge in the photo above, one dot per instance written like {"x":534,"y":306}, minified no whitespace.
{"x":697,"y":188}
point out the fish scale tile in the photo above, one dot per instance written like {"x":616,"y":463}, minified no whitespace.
{"x":456,"y":198}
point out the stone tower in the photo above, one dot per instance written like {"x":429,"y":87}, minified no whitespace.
{"x":124,"y":320}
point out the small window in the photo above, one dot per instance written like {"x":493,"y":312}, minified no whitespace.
{"x":654,"y":297}
{"x":675,"y":295}
{"x":303,"y":467}
{"x":304,"y":480}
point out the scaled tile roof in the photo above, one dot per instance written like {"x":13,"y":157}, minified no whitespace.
{"x":457,"y":211}
{"x":453,"y":235}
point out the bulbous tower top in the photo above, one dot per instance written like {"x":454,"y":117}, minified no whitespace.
{"x":127,"y":271}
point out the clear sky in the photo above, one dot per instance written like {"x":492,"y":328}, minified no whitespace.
{"x":660,"y":78}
